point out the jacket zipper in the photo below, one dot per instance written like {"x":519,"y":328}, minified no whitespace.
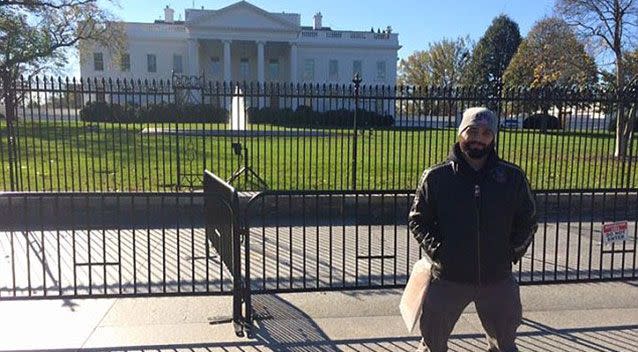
{"x":477,"y":199}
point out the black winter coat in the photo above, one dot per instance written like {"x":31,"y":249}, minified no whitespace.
{"x":474,"y":223}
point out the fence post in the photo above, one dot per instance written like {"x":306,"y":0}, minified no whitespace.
{"x":175,"y":81}
{"x":357,"y":83}
{"x":9,"y":91}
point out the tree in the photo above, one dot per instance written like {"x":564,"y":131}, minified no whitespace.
{"x":35,"y":34}
{"x":492,"y":53}
{"x":551,"y":56}
{"x":442,"y":64}
{"x":613,"y":23}
{"x":630,"y":72}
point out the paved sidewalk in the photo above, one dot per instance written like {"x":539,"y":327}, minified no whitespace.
{"x":574,"y":317}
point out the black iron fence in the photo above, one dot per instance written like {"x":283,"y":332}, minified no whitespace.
{"x":147,"y":136}
{"x":119,"y":244}
{"x":74,"y":245}
{"x":131,"y":244}
{"x":301,"y":241}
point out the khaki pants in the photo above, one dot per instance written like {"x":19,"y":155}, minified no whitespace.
{"x":498,"y":306}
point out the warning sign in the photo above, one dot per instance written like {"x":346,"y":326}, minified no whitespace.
{"x":615,"y":232}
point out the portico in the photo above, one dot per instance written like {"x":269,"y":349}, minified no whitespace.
{"x":242,"y":42}
{"x":242,"y":60}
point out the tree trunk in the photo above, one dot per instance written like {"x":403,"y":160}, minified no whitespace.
{"x":624,"y":131}
{"x":620,"y":149}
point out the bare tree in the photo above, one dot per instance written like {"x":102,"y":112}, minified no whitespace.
{"x":613,"y":23}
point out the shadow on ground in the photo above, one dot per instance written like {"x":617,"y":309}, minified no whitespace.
{"x":281,"y":326}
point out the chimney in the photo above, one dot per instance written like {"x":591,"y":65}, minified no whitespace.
{"x":318,"y":18}
{"x":169,"y":14}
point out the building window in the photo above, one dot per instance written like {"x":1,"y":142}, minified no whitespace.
{"x":273,"y":69}
{"x":178,"y":66}
{"x":151,"y":63}
{"x":244,"y":68}
{"x":381,"y":72}
{"x":357,"y":66}
{"x":125,"y":62}
{"x":333,"y":70}
{"x":98,"y":62}
{"x":309,"y":70}
{"x":215,"y":67}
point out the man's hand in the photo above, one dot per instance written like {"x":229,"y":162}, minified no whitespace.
{"x":435,"y":270}
{"x":430,"y":248}
{"x":516,"y":256}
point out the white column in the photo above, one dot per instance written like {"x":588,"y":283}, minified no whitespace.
{"x":227,"y":62}
{"x":193,"y":57}
{"x":293,"y":62}
{"x":260,"y":62}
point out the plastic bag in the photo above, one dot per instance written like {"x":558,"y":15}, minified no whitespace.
{"x":414,"y":293}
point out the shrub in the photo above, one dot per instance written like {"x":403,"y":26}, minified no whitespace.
{"x":97,"y":112}
{"x":163,"y":112}
{"x":537,"y":121}
{"x":304,"y":116}
{"x":270,"y":115}
{"x":157,"y":113}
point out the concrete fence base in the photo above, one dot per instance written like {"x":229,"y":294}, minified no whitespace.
{"x":86,"y":211}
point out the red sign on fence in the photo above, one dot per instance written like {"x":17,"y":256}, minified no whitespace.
{"x":615,"y":232}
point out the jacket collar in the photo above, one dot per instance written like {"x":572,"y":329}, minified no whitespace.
{"x":460,"y":164}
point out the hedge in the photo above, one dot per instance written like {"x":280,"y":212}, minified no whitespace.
{"x":304,"y":116}
{"x":103,"y":112}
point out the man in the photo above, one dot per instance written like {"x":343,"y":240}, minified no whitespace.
{"x":474,"y":215}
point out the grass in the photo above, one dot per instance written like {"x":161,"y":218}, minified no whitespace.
{"x":78,"y":156}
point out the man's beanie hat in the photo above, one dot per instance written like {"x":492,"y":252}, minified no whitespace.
{"x":479,"y":116}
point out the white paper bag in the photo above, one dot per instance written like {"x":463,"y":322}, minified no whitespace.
{"x":414,"y":293}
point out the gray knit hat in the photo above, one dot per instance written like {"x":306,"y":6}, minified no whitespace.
{"x":479,"y":116}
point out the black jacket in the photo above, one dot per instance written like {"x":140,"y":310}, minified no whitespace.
{"x":474,"y":223}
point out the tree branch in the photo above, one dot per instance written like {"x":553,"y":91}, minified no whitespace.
{"x":47,"y":4}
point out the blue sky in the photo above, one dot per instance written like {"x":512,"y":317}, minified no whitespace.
{"x":418,"y":22}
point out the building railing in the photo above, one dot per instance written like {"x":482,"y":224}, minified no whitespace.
{"x":340,"y":35}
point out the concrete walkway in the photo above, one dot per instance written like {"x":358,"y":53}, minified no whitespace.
{"x":574,"y":317}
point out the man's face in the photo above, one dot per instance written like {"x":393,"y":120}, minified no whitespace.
{"x":476,"y":141}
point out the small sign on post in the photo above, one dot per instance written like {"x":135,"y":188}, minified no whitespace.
{"x":615,"y":232}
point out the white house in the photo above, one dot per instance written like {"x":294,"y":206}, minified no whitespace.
{"x":242,"y":42}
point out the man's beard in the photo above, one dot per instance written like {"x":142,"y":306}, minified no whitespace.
{"x":477,"y":150}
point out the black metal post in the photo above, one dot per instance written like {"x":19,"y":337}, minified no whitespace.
{"x":357,"y":83}
{"x":9,"y":101}
{"x":178,"y":103}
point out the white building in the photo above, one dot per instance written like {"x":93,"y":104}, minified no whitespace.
{"x":242,"y":42}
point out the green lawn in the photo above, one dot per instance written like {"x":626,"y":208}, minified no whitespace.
{"x":78,"y":156}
